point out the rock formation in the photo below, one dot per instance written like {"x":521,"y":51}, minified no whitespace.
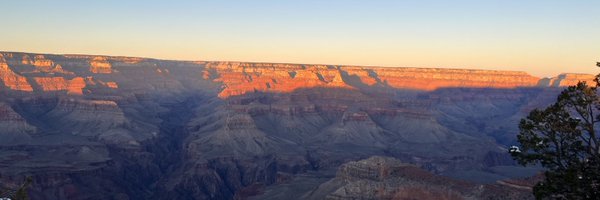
{"x":100,"y":65}
{"x":49,"y":84}
{"x":15,"y":128}
{"x":565,"y":80}
{"x":12,"y":80}
{"x":107,"y":127}
{"x":241,"y":78}
{"x":42,"y":64}
{"x":388,"y":178}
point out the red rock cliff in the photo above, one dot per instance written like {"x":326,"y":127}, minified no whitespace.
{"x":565,"y":80}
{"x":58,"y":73}
{"x":74,"y":86}
{"x":241,"y":78}
{"x":11,"y":79}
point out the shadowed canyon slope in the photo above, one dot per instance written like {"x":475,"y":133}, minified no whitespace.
{"x":106,"y":127}
{"x":387,"y":178}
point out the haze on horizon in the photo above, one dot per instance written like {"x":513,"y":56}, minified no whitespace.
{"x":544,"y":38}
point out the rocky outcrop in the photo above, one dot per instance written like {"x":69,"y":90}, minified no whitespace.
{"x":42,"y":65}
{"x":237,"y":135}
{"x":14,"y":128}
{"x":112,"y":85}
{"x":50,"y":84}
{"x":388,"y":178}
{"x":100,"y":65}
{"x":41,"y":62}
{"x":12,"y":80}
{"x":354,"y":128}
{"x":95,"y":83}
{"x":98,"y":118}
{"x":241,"y":78}
{"x":565,"y":80}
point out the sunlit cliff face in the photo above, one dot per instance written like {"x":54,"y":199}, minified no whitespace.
{"x":241,"y":78}
{"x":47,"y":73}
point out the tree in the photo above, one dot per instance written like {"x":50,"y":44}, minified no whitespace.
{"x":19,"y":193}
{"x":563,"y":139}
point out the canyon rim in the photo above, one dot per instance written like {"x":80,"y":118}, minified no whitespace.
{"x":111,"y":127}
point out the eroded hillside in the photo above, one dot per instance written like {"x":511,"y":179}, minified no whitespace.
{"x":144,"y":128}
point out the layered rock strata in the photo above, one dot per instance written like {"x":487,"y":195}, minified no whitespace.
{"x":237,"y":78}
{"x":388,"y":178}
{"x":14,"y":128}
{"x":142,"y":128}
{"x":241,"y":78}
{"x":51,"y":84}
{"x":100,"y":65}
{"x":12,"y":80}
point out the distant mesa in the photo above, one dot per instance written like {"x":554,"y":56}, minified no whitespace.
{"x":564,"y":80}
{"x":242,"y":78}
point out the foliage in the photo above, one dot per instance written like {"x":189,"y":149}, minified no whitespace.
{"x":19,"y":193}
{"x":563,"y":138}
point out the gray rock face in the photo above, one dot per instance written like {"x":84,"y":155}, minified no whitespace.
{"x":14,"y":127}
{"x":387,"y":178}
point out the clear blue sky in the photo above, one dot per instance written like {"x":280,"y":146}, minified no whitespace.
{"x":543,"y":37}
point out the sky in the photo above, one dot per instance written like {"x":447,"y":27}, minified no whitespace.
{"x":542,"y":37}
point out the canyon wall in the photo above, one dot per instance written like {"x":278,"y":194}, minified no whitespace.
{"x":12,"y":80}
{"x":241,"y":78}
{"x":66,"y":73}
{"x":388,"y":178}
{"x":110,"y":127}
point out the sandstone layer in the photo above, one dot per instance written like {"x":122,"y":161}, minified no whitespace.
{"x":49,"y":84}
{"x":241,"y":78}
{"x":12,"y":80}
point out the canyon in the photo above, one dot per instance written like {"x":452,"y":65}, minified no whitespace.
{"x":111,"y":127}
{"x":387,"y":178}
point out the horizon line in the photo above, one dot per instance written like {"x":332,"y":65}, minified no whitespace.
{"x":291,"y":63}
